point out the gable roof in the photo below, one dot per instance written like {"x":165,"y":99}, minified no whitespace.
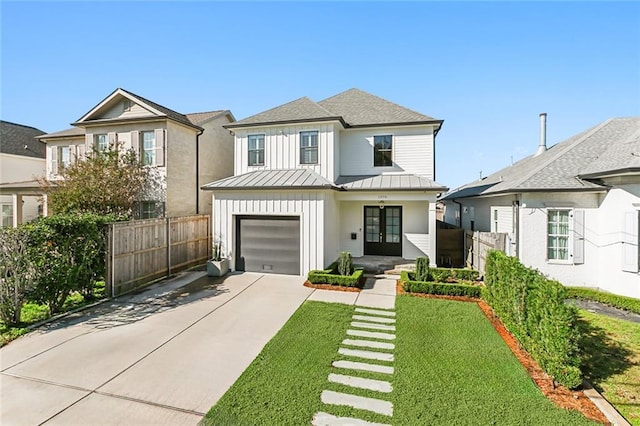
{"x":199,"y":118}
{"x":353,"y":108}
{"x":159,"y":110}
{"x":71,"y":132}
{"x":18,"y":139}
{"x":562,"y":166}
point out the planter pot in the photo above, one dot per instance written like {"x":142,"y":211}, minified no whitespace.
{"x":217,"y":268}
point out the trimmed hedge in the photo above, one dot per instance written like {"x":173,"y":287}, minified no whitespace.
{"x":533,"y":308}
{"x":411,"y":286}
{"x":443,"y":274}
{"x":621,"y":302}
{"x":329,"y":276}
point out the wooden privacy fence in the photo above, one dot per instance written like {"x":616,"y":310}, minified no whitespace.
{"x":141,"y":251}
{"x":477,"y":244}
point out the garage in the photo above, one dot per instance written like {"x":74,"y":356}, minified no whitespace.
{"x":269,"y":244}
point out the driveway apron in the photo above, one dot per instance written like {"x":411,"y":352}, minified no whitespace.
{"x":163,"y":356}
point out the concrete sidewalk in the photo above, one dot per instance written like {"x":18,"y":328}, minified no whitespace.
{"x":163,"y":356}
{"x":378,"y":292}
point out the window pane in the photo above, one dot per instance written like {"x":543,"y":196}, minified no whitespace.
{"x":382,"y":151}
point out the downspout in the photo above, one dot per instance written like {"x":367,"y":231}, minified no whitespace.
{"x":198,"y":170}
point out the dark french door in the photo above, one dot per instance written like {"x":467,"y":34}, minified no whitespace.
{"x":383,"y":230}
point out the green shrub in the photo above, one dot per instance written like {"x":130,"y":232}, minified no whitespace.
{"x":533,"y":308}
{"x":345,"y":263}
{"x":71,"y":249}
{"x":621,"y":302}
{"x":328,"y":277}
{"x":441,"y":275}
{"x":422,"y":269}
{"x":441,"y":288}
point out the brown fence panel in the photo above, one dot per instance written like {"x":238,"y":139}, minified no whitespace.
{"x":450,"y":247}
{"x":141,"y":251}
{"x":477,"y":244}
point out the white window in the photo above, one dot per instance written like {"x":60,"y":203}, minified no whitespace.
{"x":64,"y":156}
{"x":148,"y":148}
{"x":495,"y":220}
{"x":256,"y":150}
{"x":100,"y":142}
{"x":558,"y":235}
{"x":309,"y":147}
{"x":382,"y":151}
{"x":150,"y":209}
{"x":7,"y":215}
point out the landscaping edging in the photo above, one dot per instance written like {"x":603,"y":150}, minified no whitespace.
{"x":559,"y":395}
{"x":332,"y":287}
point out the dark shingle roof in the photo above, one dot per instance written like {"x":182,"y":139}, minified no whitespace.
{"x":303,"y":109}
{"x":607,"y":147}
{"x":17,"y":139}
{"x":353,"y":108}
{"x":359,"y":108}
{"x":272,"y":179}
{"x":198,"y":118}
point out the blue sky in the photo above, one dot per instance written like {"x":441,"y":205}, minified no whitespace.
{"x":487,"y":69}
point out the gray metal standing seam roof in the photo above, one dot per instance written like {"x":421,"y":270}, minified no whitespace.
{"x":272,"y":179}
{"x":610,"y":146}
{"x":397,"y":182}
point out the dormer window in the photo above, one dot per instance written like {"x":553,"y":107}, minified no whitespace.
{"x":382,"y":151}
{"x":309,"y":147}
{"x":256,"y":150}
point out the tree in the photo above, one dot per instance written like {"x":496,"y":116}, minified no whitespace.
{"x":18,"y":273}
{"x":104,"y":183}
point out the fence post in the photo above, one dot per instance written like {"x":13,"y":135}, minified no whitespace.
{"x":168,"y":246}
{"x":109,"y":260}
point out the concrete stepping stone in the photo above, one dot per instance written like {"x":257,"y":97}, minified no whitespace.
{"x":368,"y":344}
{"x":374,"y":319}
{"x":363,"y":403}
{"x":379,"y":356}
{"x":371,"y":334}
{"x":359,"y":382}
{"x":376,"y":312}
{"x":373,"y":326}
{"x":325,"y":419}
{"x":363,"y":366}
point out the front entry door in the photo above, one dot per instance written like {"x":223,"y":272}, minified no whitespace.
{"x":383,"y":231}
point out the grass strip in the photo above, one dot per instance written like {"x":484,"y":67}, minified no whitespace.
{"x":621,"y":302}
{"x":452,"y":367}
{"x":611,"y":360}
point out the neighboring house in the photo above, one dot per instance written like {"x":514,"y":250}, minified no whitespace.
{"x":571,"y":211}
{"x":186,"y":150}
{"x":22,"y":161}
{"x":353,"y":172}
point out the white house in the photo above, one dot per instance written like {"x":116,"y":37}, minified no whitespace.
{"x":186,"y":150}
{"x":22,"y":161}
{"x":571,"y":211}
{"x":353,"y":172}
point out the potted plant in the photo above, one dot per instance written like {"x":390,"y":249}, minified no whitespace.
{"x":218,"y":266}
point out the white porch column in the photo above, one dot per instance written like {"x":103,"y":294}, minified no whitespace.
{"x":17,"y":209}
{"x":432,"y":233}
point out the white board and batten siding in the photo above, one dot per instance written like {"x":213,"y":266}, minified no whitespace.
{"x":282,"y":149}
{"x":308,"y":206}
{"x":412,"y":151}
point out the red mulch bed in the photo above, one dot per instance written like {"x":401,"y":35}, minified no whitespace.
{"x":561,"y":396}
{"x":331,"y":287}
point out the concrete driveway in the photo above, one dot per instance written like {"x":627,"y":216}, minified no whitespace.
{"x":163,"y":356}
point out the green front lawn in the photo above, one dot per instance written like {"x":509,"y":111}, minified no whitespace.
{"x":611,"y":360}
{"x":451,"y":367}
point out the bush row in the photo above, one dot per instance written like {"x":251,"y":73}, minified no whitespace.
{"x":533,"y":308}
{"x":621,"y":302}
{"x":326,"y":277}
{"x":412,"y":286}
{"x":46,"y":260}
{"x":443,"y":274}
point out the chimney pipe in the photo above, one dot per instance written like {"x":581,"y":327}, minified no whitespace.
{"x":542,"y":146}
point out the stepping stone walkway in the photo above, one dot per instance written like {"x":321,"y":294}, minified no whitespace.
{"x":370,"y":344}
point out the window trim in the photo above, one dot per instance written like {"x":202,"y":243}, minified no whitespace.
{"x":96,"y":143}
{"x":391,"y":150}
{"x":305,"y":149}
{"x":569,"y":236}
{"x":258,"y":136}
{"x":3,"y":217}
{"x":143,"y":150}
